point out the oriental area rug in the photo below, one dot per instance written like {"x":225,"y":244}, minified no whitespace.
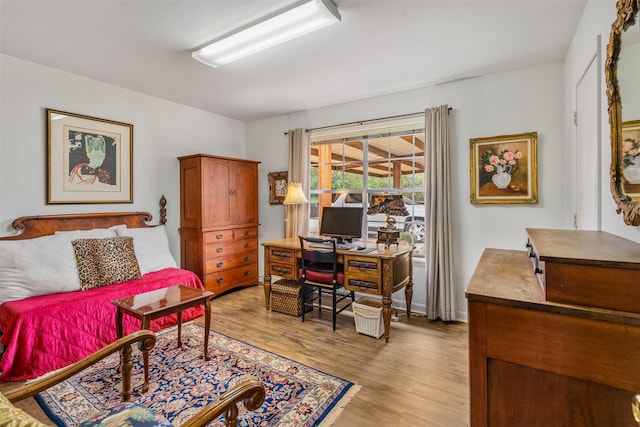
{"x":181,"y":383}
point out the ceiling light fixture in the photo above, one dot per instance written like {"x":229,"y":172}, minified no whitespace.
{"x":296,"y":20}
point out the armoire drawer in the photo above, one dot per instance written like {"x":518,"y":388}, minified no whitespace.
{"x":227,"y":262}
{"x":223,"y":249}
{"x":239,"y":276}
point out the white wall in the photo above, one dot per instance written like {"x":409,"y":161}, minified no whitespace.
{"x":517,"y":101}
{"x":162,"y":131}
{"x":597,"y":19}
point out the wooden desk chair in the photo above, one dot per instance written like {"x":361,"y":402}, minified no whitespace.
{"x":320,"y":271}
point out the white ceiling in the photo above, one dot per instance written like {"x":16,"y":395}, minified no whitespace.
{"x":379,"y":47}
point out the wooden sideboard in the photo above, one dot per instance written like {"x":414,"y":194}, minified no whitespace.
{"x":535,"y":362}
{"x":380,"y":272}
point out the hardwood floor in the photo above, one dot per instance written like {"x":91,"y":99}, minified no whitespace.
{"x":419,"y":379}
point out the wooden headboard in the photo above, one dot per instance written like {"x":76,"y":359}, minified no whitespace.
{"x":44,"y":225}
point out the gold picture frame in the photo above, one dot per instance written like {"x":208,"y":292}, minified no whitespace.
{"x":631,"y":159}
{"x":278,"y":182}
{"x":90,"y":160}
{"x":504,"y":169}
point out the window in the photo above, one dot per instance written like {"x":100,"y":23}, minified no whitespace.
{"x":352,"y":164}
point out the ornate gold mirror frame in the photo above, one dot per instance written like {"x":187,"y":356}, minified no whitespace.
{"x":627,"y":15}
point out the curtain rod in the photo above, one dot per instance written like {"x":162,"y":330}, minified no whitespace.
{"x":367,"y":121}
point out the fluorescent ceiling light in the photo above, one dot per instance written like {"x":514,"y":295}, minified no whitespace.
{"x":296,"y":20}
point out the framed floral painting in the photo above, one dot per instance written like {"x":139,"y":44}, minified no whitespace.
{"x":631,"y":159}
{"x":504,"y":169}
{"x":90,"y":160}
{"x":277,"y":187}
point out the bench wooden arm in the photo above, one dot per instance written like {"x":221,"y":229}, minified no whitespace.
{"x":251,"y":393}
{"x":146,"y":340}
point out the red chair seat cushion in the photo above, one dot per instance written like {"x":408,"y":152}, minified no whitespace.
{"x":322,"y":277}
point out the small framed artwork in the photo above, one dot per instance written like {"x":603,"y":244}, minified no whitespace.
{"x":277,"y":187}
{"x":631,"y":159}
{"x":504,"y":169}
{"x":90,"y":160}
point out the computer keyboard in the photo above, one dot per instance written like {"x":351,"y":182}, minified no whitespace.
{"x":328,"y":245}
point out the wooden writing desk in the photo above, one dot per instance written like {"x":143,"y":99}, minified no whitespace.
{"x":381,"y":272}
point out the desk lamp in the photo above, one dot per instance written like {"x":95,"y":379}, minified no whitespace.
{"x":388,"y":204}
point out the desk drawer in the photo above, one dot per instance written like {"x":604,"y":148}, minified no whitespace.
{"x":283,"y":270}
{"x":363,"y":274}
{"x":282,"y":256}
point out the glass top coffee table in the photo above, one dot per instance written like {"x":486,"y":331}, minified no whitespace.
{"x":159,"y":303}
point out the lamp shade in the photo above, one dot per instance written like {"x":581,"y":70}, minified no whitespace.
{"x":390,"y":204}
{"x":295,"y":195}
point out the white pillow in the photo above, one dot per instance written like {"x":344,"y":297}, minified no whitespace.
{"x":40,"y":266}
{"x":151,"y":246}
{"x":96,"y":233}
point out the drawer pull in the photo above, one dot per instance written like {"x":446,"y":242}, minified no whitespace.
{"x":246,"y":272}
{"x":219,"y":236}
{"x":280,"y":254}
{"x":246,"y":245}
{"x":220,"y":264}
{"x":282,"y":270}
{"x":246,"y":233}
{"x":363,"y":284}
{"x":363,"y":265}
{"x":246,"y":258}
{"x":219,"y":250}
{"x":220,"y":279}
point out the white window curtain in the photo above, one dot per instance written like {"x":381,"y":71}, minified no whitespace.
{"x":297,"y":216}
{"x":441,"y":298}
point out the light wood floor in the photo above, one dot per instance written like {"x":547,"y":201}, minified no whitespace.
{"x":420,"y":378}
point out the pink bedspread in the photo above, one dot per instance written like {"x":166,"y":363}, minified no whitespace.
{"x":45,"y":333}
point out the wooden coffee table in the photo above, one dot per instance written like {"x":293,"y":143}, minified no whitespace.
{"x":159,"y":303}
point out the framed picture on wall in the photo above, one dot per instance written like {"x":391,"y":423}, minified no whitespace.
{"x":277,"y":187}
{"x":631,"y":159}
{"x":504,"y":169}
{"x":90,"y":160}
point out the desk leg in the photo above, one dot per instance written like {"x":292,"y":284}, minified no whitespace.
{"x":207,"y":326}
{"x":408,"y":290}
{"x":145,"y":357}
{"x":267,"y":278}
{"x":387,"y":291}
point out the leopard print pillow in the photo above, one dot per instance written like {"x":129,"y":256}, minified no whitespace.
{"x":105,"y":261}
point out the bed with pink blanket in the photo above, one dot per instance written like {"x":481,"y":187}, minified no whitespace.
{"x":57,"y":307}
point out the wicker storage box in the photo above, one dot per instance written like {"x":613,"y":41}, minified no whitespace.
{"x":286,"y":298}
{"x":368,"y":316}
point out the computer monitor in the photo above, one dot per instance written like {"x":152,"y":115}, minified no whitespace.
{"x":343,"y":224}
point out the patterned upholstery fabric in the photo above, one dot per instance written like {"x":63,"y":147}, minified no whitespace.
{"x":105,"y":261}
{"x":11,"y":416}
{"x":125,"y":414}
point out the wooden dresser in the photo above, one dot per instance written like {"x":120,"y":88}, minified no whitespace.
{"x":536,"y":362}
{"x":219,"y":220}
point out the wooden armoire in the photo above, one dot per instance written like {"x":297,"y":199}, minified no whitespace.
{"x":219,"y":220}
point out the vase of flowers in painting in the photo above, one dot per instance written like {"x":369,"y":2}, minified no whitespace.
{"x":501,"y":165}
{"x":501,"y":178}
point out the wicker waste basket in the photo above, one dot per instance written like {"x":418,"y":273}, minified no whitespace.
{"x":286,"y":297}
{"x":367,"y":314}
